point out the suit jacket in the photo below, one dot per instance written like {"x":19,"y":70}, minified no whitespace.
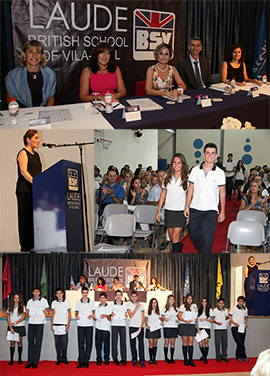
{"x":187,"y":74}
{"x":132,"y":285}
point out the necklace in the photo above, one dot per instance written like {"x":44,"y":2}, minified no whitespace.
{"x":34,"y":75}
{"x":162,"y":70}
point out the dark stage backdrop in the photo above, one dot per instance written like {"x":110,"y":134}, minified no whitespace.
{"x":69,"y":29}
{"x":169,"y":269}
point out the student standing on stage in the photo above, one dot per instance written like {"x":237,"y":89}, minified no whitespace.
{"x":118,"y":323}
{"x":206,"y":187}
{"x":169,"y":317}
{"x":35,"y":309}
{"x":239,"y":322}
{"x":84,"y":313}
{"x":15,"y":320}
{"x":188,"y":313}
{"x":61,"y":316}
{"x":220,"y":315}
{"x":103,"y":317}
{"x":136,"y":313}
{"x":204,"y":323}
{"x":152,"y":318}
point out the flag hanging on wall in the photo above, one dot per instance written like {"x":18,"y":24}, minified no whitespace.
{"x":43,"y":282}
{"x":219,"y":280}
{"x":7,"y":289}
{"x":259,"y":64}
{"x":186,"y":284}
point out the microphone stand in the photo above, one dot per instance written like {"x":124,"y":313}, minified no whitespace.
{"x":80,"y":145}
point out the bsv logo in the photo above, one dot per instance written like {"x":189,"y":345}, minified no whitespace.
{"x":263,"y":278}
{"x":150,"y":28}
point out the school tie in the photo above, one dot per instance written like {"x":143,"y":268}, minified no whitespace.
{"x":197,"y":74}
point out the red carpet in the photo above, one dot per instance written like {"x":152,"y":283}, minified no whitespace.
{"x":219,"y":245}
{"x":46,"y":368}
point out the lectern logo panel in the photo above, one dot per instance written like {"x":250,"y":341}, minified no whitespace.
{"x":73,"y":179}
{"x":263,"y":278}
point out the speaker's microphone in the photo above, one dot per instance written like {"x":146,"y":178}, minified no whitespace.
{"x":49,"y":145}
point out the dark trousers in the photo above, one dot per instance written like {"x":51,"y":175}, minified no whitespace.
{"x":201,"y":228}
{"x":85,"y":341}
{"x":221,"y":338}
{"x":133,"y":347}
{"x":35,"y":336}
{"x":61,"y":343}
{"x":229,"y":186}
{"x":25,"y":220}
{"x":103,"y":336}
{"x":121,"y":332}
{"x":240,"y":340}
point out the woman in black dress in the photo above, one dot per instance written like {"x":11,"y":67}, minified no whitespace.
{"x":29,"y":166}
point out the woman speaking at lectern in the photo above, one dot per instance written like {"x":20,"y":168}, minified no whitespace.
{"x":29,"y":166}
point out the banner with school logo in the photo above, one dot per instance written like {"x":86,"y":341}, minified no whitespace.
{"x":123,"y":269}
{"x":69,"y":30}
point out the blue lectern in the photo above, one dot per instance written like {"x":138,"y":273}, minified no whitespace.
{"x":257,"y":287}
{"x":58,"y":209}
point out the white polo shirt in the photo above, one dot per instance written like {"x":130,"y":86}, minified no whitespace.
{"x":103,"y":324}
{"x":153,"y":317}
{"x":171,"y":314}
{"x":219,"y":316}
{"x":206,"y":188}
{"x":120,"y":311}
{"x":230,"y":167}
{"x":61,"y":311}
{"x":36,"y":308}
{"x":205,"y":324}
{"x":175,"y":195}
{"x":238,"y":315}
{"x":13,"y":316}
{"x":193,"y":309}
{"x":136,"y":320}
{"x":154,"y":193}
{"x":85,"y":309}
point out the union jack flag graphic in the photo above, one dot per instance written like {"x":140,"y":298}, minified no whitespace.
{"x":150,"y":28}
{"x":131,"y":271}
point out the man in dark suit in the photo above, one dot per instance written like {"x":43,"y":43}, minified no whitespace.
{"x":136,"y":285}
{"x":195,"y":70}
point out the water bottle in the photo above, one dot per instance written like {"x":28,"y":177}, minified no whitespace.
{"x":264,"y":80}
{"x":233,"y":86}
{"x":13,"y":109}
{"x":108,"y":102}
{"x":180,"y":92}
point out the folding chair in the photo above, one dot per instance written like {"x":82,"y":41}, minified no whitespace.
{"x":146,"y":214}
{"x":109,"y":210}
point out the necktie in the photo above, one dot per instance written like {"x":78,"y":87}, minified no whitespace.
{"x":197,"y":74}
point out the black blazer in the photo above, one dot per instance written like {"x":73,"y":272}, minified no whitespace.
{"x":132,"y":285}
{"x":187,"y":74}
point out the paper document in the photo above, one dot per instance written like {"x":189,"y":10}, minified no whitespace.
{"x":119,"y":316}
{"x":172,"y":318}
{"x":83,"y":320}
{"x":146,"y":104}
{"x":36,"y":312}
{"x":190,"y":316}
{"x":135,"y":334}
{"x":224,"y":324}
{"x":241,"y":328}
{"x":156,"y":325}
{"x":200,"y":336}
{"x":56,"y":115}
{"x":12,"y":337}
{"x":59,"y":330}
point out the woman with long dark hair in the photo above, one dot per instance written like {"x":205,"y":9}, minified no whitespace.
{"x":101,"y":285}
{"x":29,"y":166}
{"x":239,"y":177}
{"x":187,"y":314}
{"x":234,"y":66}
{"x":15,"y":320}
{"x":170,"y":326}
{"x":136,"y":194}
{"x":204,"y":323}
{"x":102,"y":75}
{"x":152,"y":316}
{"x":173,"y":193}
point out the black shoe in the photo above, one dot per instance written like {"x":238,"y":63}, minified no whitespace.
{"x":192,"y":364}
{"x":150,"y":361}
{"x":155,"y":362}
{"x":246,"y":359}
{"x":28,"y":365}
{"x":201,"y":358}
{"x":150,"y":241}
{"x":225,"y":360}
{"x":167,"y":361}
{"x":116,"y":362}
{"x":10,"y":363}
{"x":134,"y":363}
{"x":164,"y":245}
{"x":80,"y":365}
{"x":142,"y":364}
{"x":107,"y":362}
{"x":239,"y":359}
{"x":57,"y":363}
{"x":172,"y":361}
{"x":124,"y":362}
{"x":186,"y":362}
{"x":20,"y":362}
{"x":35,"y":365}
{"x":65,"y":362}
{"x":98,"y":363}
{"x":205,"y":361}
{"x":218,"y":360}
{"x":86,"y":365}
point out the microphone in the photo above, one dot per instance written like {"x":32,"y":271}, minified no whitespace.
{"x":49,"y":145}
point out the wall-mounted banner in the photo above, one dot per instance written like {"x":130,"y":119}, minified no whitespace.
{"x":69,"y":30}
{"x":123,"y":269}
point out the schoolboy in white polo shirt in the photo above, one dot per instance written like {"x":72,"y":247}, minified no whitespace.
{"x":35,"y":310}
{"x":118,"y":323}
{"x":103,"y":318}
{"x":220,"y":315}
{"x":206,"y":188}
{"x":61,"y":316}
{"x":84,"y":313}
{"x":239,"y":323}
{"x":136,"y":315}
